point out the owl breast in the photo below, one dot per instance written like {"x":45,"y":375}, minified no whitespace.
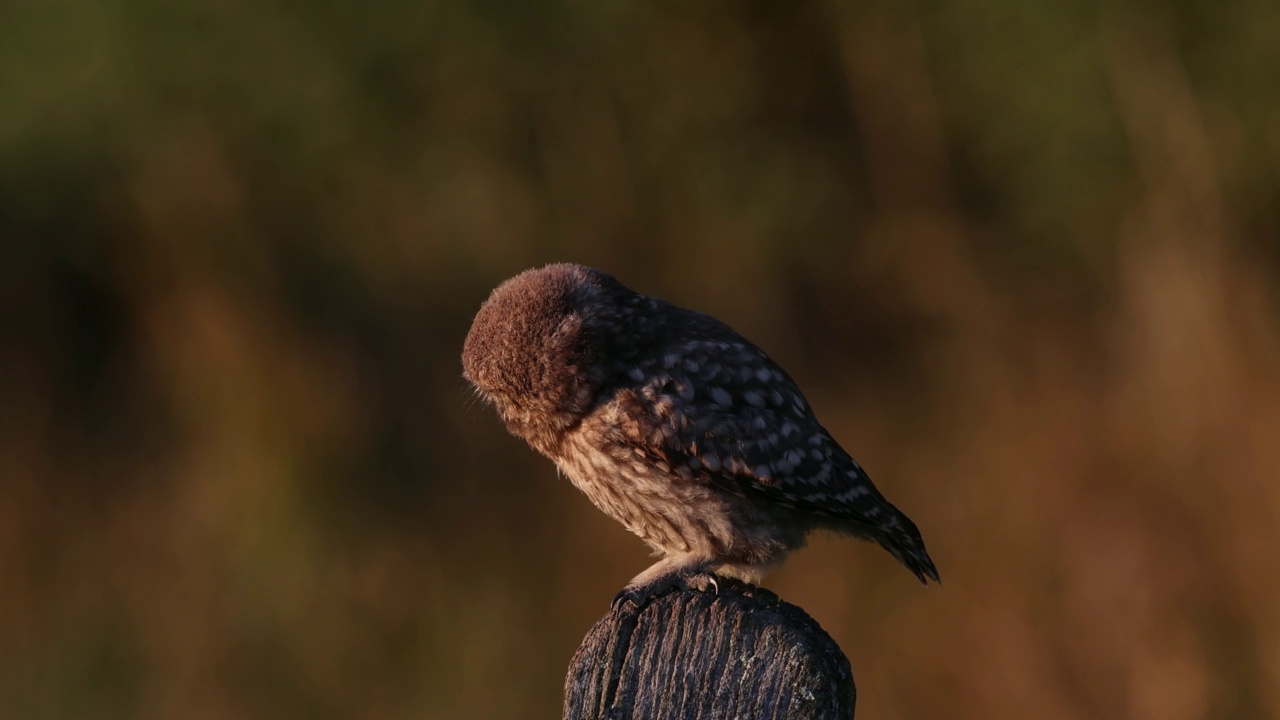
{"x":673,"y":510}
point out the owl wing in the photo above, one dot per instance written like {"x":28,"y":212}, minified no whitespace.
{"x":721,"y":412}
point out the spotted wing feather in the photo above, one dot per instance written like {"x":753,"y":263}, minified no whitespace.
{"x":719,"y":411}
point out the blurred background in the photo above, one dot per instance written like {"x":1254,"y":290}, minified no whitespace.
{"x":1022,"y":256}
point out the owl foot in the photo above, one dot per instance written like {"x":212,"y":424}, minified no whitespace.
{"x":642,"y":594}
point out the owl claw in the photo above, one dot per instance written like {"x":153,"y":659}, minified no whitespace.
{"x":629,"y":595}
{"x":641,"y":595}
{"x":702,"y":582}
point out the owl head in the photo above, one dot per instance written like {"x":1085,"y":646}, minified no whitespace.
{"x":539,"y":347}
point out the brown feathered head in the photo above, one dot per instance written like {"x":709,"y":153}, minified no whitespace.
{"x":535,"y":347}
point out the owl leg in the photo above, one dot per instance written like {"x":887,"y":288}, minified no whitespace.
{"x":749,"y":573}
{"x":674,"y":571}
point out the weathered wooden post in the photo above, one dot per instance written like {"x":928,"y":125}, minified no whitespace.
{"x":695,"y":655}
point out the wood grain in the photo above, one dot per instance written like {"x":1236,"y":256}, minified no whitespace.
{"x":738,"y":653}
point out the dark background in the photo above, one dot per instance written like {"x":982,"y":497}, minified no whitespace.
{"x":1022,"y":256}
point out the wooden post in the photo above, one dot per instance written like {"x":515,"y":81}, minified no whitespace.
{"x":691,"y":654}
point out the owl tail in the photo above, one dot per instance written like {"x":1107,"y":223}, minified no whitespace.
{"x":901,"y":538}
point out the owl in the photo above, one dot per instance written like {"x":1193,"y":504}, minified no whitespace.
{"x":675,"y":426}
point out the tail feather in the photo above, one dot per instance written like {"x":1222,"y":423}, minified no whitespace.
{"x":902,"y":539}
{"x":876,"y":519}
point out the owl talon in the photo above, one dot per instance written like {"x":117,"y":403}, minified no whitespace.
{"x":644,"y":593}
{"x":629,"y":595}
{"x":702,"y":582}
